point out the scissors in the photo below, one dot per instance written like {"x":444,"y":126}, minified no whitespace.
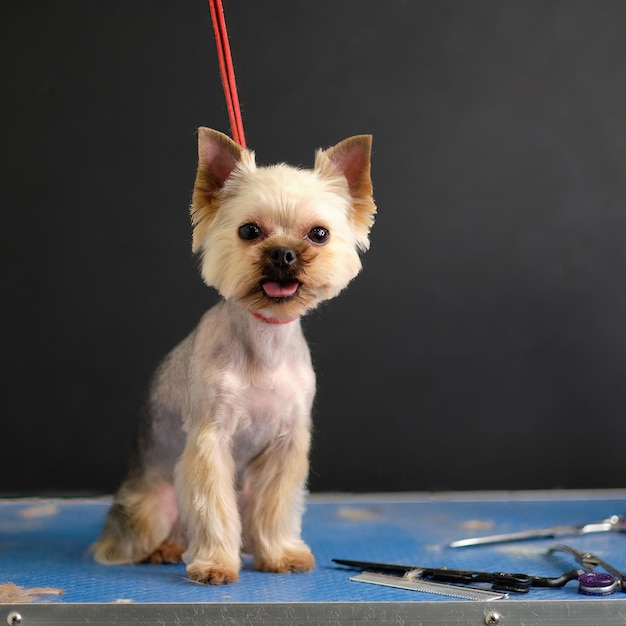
{"x":500,"y":581}
{"x":594,"y":583}
{"x":615,"y":523}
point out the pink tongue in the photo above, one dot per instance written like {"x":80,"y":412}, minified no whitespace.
{"x":278,"y":290}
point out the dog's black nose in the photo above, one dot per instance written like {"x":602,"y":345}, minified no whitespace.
{"x":282,"y":256}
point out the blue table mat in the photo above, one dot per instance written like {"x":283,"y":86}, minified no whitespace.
{"x":46,"y":543}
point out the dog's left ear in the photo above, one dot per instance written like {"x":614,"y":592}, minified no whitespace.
{"x":351,"y":158}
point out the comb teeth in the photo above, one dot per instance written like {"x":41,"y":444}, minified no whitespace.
{"x":427,"y":586}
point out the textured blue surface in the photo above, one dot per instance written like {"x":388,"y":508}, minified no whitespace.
{"x":46,"y":544}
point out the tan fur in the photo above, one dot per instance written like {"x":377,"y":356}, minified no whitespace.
{"x":11,"y":593}
{"x":222,"y":455}
{"x":151,"y":504}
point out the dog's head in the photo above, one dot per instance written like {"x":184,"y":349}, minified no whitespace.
{"x":279,"y":239}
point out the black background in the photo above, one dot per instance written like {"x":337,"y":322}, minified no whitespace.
{"x":484,"y":344}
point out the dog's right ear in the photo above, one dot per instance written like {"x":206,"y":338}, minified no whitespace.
{"x":218,"y":156}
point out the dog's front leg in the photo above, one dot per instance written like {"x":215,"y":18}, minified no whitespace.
{"x":205,"y":477}
{"x":272,"y":515}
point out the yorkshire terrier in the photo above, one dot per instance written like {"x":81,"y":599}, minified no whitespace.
{"x":221,"y":459}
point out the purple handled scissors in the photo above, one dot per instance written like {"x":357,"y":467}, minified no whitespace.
{"x":593,"y":583}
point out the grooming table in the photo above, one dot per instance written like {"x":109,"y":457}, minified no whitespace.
{"x":46,"y":543}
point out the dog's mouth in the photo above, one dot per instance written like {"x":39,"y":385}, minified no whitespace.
{"x":280,"y":289}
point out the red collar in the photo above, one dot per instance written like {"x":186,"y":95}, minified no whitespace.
{"x":270,"y":320}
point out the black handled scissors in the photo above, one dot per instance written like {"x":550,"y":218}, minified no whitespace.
{"x":500,"y":581}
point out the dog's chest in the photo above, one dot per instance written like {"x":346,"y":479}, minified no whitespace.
{"x":273,"y":404}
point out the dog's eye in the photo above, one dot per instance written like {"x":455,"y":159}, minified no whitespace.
{"x":319,"y":235}
{"x":248,"y":232}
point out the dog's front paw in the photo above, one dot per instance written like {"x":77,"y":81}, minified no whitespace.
{"x":294,"y":560}
{"x":212,"y":574}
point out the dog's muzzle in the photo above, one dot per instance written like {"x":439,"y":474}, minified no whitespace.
{"x":280,"y":279}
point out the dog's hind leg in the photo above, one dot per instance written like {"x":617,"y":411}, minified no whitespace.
{"x":141,"y":524}
{"x":171,"y":550}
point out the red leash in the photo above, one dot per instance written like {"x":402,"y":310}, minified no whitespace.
{"x":227,"y":71}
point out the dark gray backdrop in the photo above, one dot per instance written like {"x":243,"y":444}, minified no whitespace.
{"x":483,"y":346}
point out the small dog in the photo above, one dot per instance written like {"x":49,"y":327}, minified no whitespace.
{"x":221,"y":459}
